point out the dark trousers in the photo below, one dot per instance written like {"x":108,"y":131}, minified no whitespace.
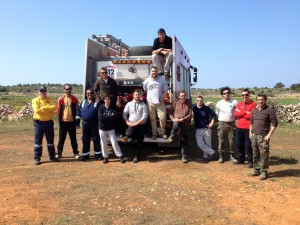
{"x":184,"y":132}
{"x":243,"y":144}
{"x":90,"y":132}
{"x":138,"y":133}
{"x":42,"y":128}
{"x":64,"y":128}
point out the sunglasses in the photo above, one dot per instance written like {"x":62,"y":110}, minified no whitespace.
{"x":199,"y":100}
{"x":226,"y":93}
{"x":103,"y":72}
{"x":245,"y":95}
{"x":68,"y":89}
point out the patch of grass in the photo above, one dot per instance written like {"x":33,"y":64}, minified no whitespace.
{"x":65,"y":220}
{"x":24,"y":125}
{"x":287,"y":128}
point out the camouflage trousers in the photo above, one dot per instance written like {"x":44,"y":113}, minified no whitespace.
{"x":261,"y":152}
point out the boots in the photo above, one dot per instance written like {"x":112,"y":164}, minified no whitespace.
{"x":255,"y":172}
{"x":221,"y":157}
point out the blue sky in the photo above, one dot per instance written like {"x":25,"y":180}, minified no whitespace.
{"x":240,"y":43}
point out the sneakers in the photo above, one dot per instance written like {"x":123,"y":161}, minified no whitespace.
{"x":164,"y":136}
{"x":171,"y":137}
{"x":37,"y":162}
{"x":237,"y":162}
{"x":232,"y":159}
{"x":125,"y":139}
{"x":184,"y":160}
{"x":84,"y":158}
{"x":206,"y":160}
{"x":54,"y":159}
{"x":221,"y":157}
{"x":122,"y":160}
{"x":76,"y":156}
{"x":263,"y":176}
{"x":98,"y":157}
{"x":105,"y":160}
{"x":58,"y":156}
{"x":255,"y":172}
{"x":135,"y":159}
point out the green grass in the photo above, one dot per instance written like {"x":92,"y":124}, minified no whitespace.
{"x":281,"y":101}
{"x":287,"y":128}
{"x":16,"y":101}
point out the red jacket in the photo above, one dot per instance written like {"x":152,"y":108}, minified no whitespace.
{"x":240,"y":112}
{"x":61,"y":106}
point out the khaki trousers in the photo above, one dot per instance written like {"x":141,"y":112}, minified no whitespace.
{"x":159,"y":60}
{"x":160,"y":111}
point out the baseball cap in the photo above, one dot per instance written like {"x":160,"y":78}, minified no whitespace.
{"x":42,"y":88}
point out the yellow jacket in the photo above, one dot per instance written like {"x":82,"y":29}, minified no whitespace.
{"x":43,"y":109}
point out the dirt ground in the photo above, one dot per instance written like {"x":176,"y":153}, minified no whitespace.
{"x":158,"y":190}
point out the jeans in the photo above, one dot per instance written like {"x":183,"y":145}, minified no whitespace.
{"x":203,"y":138}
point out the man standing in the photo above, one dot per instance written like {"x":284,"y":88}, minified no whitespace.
{"x":67,"y":108}
{"x":242,"y":113}
{"x":263,"y":123}
{"x":138,"y":114}
{"x":43,"y":113}
{"x":203,"y":125}
{"x":226,"y":129}
{"x":88,"y":112}
{"x":104,"y":86}
{"x":162,"y":53}
{"x":156,"y":88}
{"x":181,"y":113}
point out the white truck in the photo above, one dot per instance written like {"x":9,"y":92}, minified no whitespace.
{"x":130,"y":66}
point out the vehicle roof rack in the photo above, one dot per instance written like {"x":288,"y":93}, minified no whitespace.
{"x":110,"y":41}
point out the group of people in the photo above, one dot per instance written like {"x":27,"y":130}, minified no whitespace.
{"x":247,"y":125}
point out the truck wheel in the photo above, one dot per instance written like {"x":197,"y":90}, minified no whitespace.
{"x":140,"y":50}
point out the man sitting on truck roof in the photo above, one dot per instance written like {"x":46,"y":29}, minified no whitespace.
{"x":162,"y":53}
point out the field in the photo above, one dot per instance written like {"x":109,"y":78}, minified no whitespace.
{"x":158,"y":190}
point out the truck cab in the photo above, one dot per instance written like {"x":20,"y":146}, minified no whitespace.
{"x":130,"y":66}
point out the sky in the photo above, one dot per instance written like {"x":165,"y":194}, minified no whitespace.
{"x":239,"y":43}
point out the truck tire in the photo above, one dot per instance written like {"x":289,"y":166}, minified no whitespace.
{"x":140,"y":50}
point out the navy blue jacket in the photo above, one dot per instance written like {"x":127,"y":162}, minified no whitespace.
{"x":87,"y":112}
{"x":202,"y":116}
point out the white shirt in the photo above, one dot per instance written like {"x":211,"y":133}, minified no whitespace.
{"x":225,"y":110}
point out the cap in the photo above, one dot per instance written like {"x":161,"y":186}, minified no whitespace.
{"x":42,"y":88}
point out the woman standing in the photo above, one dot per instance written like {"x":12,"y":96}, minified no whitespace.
{"x":107,"y":118}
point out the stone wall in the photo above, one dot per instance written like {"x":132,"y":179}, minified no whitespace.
{"x":7,"y":112}
{"x":285,"y":113}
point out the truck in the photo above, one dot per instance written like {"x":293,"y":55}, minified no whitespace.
{"x":130,"y":66}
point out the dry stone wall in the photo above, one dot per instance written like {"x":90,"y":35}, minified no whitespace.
{"x":285,"y":113}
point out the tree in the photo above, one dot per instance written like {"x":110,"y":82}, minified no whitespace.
{"x":279,"y":85}
{"x":295,"y":87}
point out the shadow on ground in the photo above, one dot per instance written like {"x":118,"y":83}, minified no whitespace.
{"x":276,"y":160}
{"x":285,"y":173}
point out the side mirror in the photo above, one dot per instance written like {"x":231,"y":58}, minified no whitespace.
{"x":195,"y":75}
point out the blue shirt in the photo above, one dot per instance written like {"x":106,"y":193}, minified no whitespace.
{"x":202,"y":116}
